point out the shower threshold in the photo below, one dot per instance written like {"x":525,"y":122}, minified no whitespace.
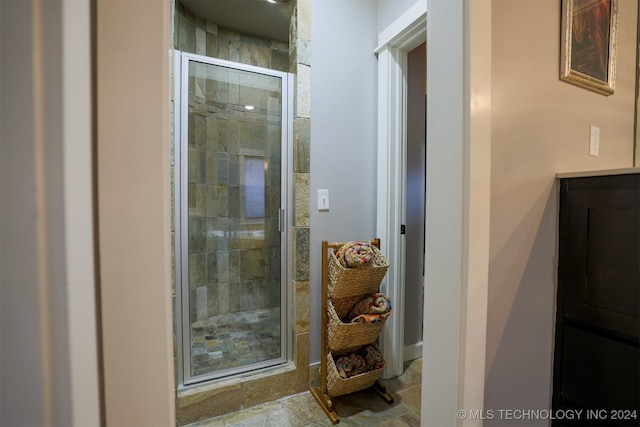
{"x":232,"y":340}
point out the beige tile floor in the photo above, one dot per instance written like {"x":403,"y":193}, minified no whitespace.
{"x":364,"y":408}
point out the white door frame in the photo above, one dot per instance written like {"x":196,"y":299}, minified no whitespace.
{"x":395,"y":42}
{"x":457,"y":226}
{"x":458,"y":193}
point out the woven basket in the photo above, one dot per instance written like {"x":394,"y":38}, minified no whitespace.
{"x":343,"y":306}
{"x":343,"y":335}
{"x":351,"y":282}
{"x":337,"y":386}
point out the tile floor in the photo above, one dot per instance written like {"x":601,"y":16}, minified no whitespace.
{"x":235,"y":339}
{"x":364,"y":408}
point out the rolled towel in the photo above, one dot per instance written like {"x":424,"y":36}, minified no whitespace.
{"x":373,"y":358}
{"x":359,"y":365}
{"x":355,"y":255}
{"x":374,"y":308}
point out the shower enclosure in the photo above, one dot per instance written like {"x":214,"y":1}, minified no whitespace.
{"x":232,"y":126}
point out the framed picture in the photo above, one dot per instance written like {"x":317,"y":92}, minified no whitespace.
{"x":588,"y":51}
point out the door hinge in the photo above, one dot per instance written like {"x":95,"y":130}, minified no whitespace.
{"x":402,"y":229}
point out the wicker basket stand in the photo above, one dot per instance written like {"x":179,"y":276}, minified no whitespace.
{"x":341,"y":289}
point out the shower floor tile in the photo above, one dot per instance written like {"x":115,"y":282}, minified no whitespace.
{"x":234,"y":339}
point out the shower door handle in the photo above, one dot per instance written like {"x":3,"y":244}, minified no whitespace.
{"x":281,"y":220}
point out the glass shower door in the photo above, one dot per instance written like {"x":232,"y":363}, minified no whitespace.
{"x":233,"y":129}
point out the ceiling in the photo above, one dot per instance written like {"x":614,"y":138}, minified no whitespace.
{"x":255,"y":17}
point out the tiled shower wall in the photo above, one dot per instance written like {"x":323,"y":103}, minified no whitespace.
{"x":234,"y":249}
{"x":231,"y":267}
{"x":195,"y":35}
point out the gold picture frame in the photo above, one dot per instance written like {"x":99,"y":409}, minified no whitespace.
{"x":588,"y":51}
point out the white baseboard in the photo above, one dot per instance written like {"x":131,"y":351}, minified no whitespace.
{"x":413,"y":351}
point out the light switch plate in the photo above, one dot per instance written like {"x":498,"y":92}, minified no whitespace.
{"x":323,"y":200}
{"x":594,"y":140}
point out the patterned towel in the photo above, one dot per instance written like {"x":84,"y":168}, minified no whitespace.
{"x":367,"y":359}
{"x":351,"y":365}
{"x":373,"y":358}
{"x":375,"y":308}
{"x":355,"y":255}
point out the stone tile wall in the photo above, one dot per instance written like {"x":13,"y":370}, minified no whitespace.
{"x":234,"y":192}
{"x":195,"y":35}
{"x":233,"y":263}
{"x":300,"y":59}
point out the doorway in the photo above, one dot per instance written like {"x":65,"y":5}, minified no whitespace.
{"x":415,"y":194}
{"x":395,"y":42}
{"x":231,"y":185}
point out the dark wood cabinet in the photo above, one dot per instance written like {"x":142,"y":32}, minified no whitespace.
{"x":596,"y":357}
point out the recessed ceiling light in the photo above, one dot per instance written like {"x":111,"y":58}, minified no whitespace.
{"x":249,"y":107}
{"x":272,"y":1}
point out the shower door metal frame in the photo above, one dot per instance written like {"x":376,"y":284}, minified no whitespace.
{"x":182,"y":323}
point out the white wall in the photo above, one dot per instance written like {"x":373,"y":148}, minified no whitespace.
{"x":343,"y":131}
{"x":21,"y":372}
{"x":390,"y":10}
{"x":48,"y":363}
{"x":540,"y":126}
{"x":79,"y":213}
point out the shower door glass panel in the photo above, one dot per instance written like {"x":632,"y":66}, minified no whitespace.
{"x":235,"y":127}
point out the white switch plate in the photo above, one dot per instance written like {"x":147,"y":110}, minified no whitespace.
{"x":594,"y":140}
{"x":323,"y":200}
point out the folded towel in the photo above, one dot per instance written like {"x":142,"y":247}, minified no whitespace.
{"x":374,"y":308}
{"x":355,"y":255}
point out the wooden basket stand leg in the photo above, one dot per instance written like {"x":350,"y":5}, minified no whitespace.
{"x":320,"y":394}
{"x":379,"y":388}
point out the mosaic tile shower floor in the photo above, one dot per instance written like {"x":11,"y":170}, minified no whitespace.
{"x":235,"y":339}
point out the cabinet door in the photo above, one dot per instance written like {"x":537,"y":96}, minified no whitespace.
{"x":600,"y":254}
{"x":596,"y":355}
